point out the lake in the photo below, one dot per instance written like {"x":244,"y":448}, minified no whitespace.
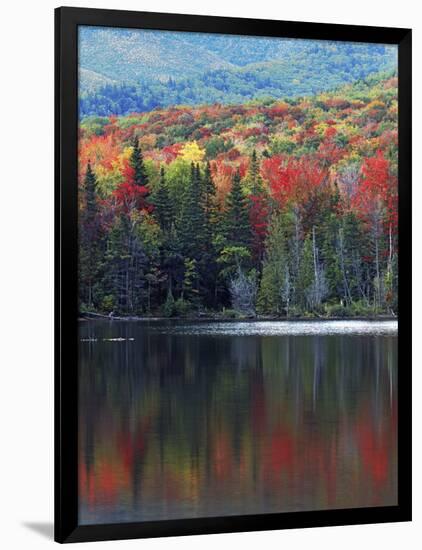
{"x":182,"y":419}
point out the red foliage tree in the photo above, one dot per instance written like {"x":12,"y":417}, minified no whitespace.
{"x":378,"y":189}
{"x":130,"y":196}
{"x":292,"y":180}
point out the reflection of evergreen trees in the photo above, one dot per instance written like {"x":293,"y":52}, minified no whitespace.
{"x":203,"y":408}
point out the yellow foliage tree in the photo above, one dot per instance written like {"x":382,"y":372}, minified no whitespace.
{"x":191,"y":152}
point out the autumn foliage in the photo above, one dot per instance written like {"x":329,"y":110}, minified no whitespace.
{"x":188,"y":199}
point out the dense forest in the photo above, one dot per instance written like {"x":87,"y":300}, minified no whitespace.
{"x":228,"y":86}
{"x":269,"y":207}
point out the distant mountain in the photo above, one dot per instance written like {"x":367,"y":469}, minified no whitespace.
{"x":135,"y":55}
{"x":138,"y":70}
{"x":91,"y":81}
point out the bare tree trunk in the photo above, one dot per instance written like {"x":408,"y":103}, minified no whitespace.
{"x":347,"y":294}
{"x":296,"y":250}
{"x":316,"y":275}
{"x":377,"y":271}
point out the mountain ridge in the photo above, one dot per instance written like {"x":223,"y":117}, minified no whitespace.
{"x":140,"y":70}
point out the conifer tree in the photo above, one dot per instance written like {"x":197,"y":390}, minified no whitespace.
{"x":275,"y":290}
{"x":127,"y":264}
{"x":90,"y":193}
{"x":237,"y":226}
{"x":305,"y":277}
{"x":191,"y":224}
{"x":90,"y":240}
{"x":254,"y":179}
{"x":208,"y":266}
{"x":259,"y":210}
{"x":331,"y":239}
{"x":209,"y":206}
{"x":190,"y":281}
{"x":163,"y":208}
{"x":140,"y":176}
{"x":351,"y":243}
{"x":168,"y":308}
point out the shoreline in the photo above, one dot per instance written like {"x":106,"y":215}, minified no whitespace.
{"x":221,"y":319}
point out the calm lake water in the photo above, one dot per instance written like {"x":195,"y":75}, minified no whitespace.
{"x":181,"y":420}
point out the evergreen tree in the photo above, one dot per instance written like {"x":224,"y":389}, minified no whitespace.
{"x":172,"y":261}
{"x":259,"y":210}
{"x":168,"y":308}
{"x":352,"y":241}
{"x":191,"y":225}
{"x":209,"y":206}
{"x":305,"y":277}
{"x":127,"y":265}
{"x":237,"y":225}
{"x":90,"y":241}
{"x":275,"y":290}
{"x":253,"y":179}
{"x":190,"y":281}
{"x":91,"y":205}
{"x":208,"y":266}
{"x":163,"y":209}
{"x":331,"y":249}
{"x":140,"y":176}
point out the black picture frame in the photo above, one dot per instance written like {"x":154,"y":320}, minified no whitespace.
{"x":66,"y":311}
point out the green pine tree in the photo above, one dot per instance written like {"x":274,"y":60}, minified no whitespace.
{"x":137,"y":163}
{"x":208,"y":265}
{"x":275,"y":290}
{"x":163,"y":209}
{"x":90,"y":242}
{"x":191,"y":224}
{"x":127,"y":265}
{"x":237,"y":225}
{"x":331,"y":248}
{"x":352,"y":241}
{"x":209,"y":201}
{"x":90,"y":193}
{"x":305,"y":277}
{"x":168,"y":308}
{"x":253,"y":179}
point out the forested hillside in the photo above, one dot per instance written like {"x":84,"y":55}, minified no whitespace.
{"x":139,"y":70}
{"x":285,"y":207}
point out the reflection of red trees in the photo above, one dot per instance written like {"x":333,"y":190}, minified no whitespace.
{"x":282,"y":456}
{"x":374,"y":453}
{"x":222,"y":456}
{"x":132,"y":447}
{"x":111,"y":473}
{"x":374,"y":444}
{"x":102,"y":482}
{"x":258,"y":408}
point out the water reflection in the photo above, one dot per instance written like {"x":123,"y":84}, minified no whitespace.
{"x":179,"y":423}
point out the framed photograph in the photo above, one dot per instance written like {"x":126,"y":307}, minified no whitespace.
{"x":233,"y":275}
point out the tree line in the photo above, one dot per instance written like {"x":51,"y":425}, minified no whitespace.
{"x":306,"y":245}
